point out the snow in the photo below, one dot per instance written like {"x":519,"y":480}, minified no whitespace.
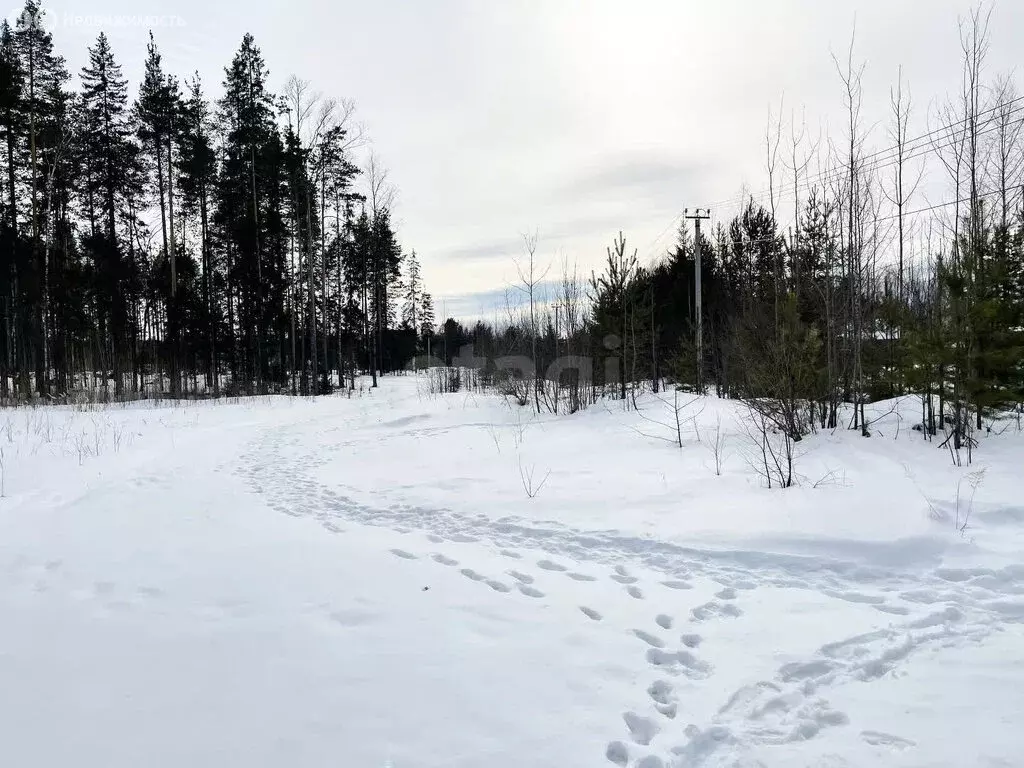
{"x":365,"y":581}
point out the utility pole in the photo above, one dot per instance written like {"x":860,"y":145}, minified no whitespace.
{"x":697,"y":216}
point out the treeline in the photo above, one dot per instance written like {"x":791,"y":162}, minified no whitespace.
{"x":177,"y":244}
{"x":867,"y":293}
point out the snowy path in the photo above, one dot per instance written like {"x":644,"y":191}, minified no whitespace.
{"x":903,"y":612}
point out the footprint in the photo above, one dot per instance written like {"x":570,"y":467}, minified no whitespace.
{"x":590,"y":613}
{"x":439,"y":558}
{"x":152,"y":593}
{"x":635,"y":592}
{"x":581,"y":577}
{"x":641,"y":729}
{"x":921,"y":596}
{"x":463,"y":538}
{"x":435,"y":538}
{"x":497,"y":586}
{"x":523,"y":578}
{"x":403,"y":554}
{"x":659,"y":658}
{"x":856,"y":597}
{"x":712,"y":609}
{"x":651,"y":640}
{"x":618,"y":753}
{"x":878,"y":738}
{"x":624,"y":579}
{"x":726,"y":594}
{"x":510,"y":553}
{"x":805,"y":670}
{"x":679,"y":662}
{"x":949,"y":615}
{"x":469,"y":573}
{"x":664,"y":621}
{"x":621,"y":570}
{"x":530,"y":591}
{"x":898,"y":610}
{"x":548,"y":565}
{"x":691,"y":641}
{"x":660,"y":692}
{"x":651,"y":761}
{"x":677,"y":584}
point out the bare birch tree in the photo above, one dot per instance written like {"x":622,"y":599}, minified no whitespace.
{"x":529,"y":279}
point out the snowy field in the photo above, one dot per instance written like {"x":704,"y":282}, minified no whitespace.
{"x":407,"y":580}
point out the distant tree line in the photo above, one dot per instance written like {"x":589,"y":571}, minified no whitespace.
{"x":867,"y":293}
{"x":172,"y":244}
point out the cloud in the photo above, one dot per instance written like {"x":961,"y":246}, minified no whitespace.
{"x":485,"y":305}
{"x":551,"y":240}
{"x":506,"y":248}
{"x":644,"y":175}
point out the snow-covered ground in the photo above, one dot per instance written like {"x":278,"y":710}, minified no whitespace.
{"x":377,"y":581}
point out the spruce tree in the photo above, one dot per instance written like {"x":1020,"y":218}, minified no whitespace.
{"x":385,"y":266}
{"x":250,"y":167}
{"x":413,"y":293}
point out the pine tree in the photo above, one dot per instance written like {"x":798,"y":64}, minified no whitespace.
{"x":358,"y":273}
{"x":106,"y":140}
{"x":197,"y":168}
{"x":302,"y":262}
{"x":60,"y":256}
{"x":158,"y":115}
{"x":43,"y":77}
{"x":11,"y":83}
{"x":338,"y":173}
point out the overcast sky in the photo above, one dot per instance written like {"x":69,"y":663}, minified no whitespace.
{"x":572,"y":118}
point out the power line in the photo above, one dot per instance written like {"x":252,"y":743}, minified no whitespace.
{"x":895,"y":148}
{"x":840,"y":173}
{"x":940,"y":205}
{"x":888,"y":157}
{"x":654,"y":242}
{"x":926,"y":209}
{"x":913,"y":147}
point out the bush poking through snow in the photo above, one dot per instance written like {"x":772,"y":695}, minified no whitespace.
{"x":714,"y":441}
{"x":530,"y":484}
{"x":772,"y":450}
{"x":676,"y":411}
{"x":963,"y":516}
